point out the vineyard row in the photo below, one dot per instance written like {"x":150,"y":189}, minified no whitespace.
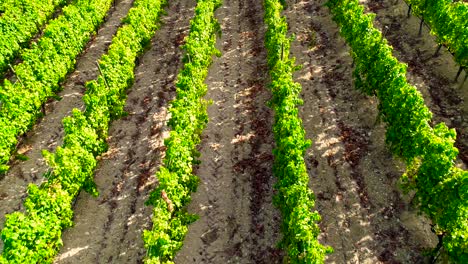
{"x":19,"y":23}
{"x":188,"y":119}
{"x":294,"y":198}
{"x":35,"y":236}
{"x":441,"y":189}
{"x":447,"y":20}
{"x":44,"y":66}
{"x":429,"y":152}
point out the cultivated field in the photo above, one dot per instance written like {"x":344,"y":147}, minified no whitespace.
{"x":365,"y":215}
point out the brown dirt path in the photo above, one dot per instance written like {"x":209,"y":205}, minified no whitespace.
{"x":108,"y":229}
{"x":366,"y":219}
{"x":48,"y":133}
{"x":238,"y":223}
{"x":433,"y":75}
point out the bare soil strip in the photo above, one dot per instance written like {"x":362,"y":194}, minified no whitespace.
{"x":433,"y":75}
{"x":108,"y":229}
{"x":238,"y":222}
{"x":48,"y":133}
{"x":366,"y":219}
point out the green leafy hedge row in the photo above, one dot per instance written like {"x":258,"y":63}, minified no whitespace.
{"x":35,"y":236}
{"x":44,"y":66}
{"x":188,"y":119}
{"x":19,"y":23}
{"x":448,"y":22}
{"x":429,"y":152}
{"x":294,"y":198}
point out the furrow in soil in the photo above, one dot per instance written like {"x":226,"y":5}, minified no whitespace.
{"x":365,"y":217}
{"x":238,"y":222}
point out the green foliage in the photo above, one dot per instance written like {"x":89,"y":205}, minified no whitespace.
{"x":20,"y":21}
{"x":448,"y":23}
{"x":441,"y":188}
{"x":294,"y":199}
{"x":49,"y":211}
{"x":35,"y":236}
{"x":188,"y":119}
{"x":44,"y":66}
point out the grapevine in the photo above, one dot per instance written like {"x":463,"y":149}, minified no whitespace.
{"x":35,"y":236}
{"x":447,"y":20}
{"x":429,"y":152}
{"x":294,"y":198}
{"x":20,"y":21}
{"x":188,"y":119}
{"x":45,"y":65}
